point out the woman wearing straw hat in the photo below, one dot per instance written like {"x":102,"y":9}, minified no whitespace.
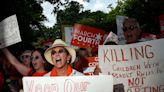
{"x":61,"y":56}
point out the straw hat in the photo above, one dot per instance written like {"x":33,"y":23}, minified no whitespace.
{"x":57,"y":43}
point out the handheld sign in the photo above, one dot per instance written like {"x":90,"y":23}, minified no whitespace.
{"x":92,"y":62}
{"x":112,"y":37}
{"x":86,"y":36}
{"x":67,"y":34}
{"x":102,"y":83}
{"x":9,"y":31}
{"x":139,"y":67}
{"x":119,"y":22}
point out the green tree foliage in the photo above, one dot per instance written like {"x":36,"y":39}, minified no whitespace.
{"x":46,"y":34}
{"x":29,"y":15}
{"x":111,"y":16}
{"x":70,"y":14}
{"x":73,"y":14}
{"x":95,"y":19}
{"x":58,"y":3}
{"x":146,"y":11}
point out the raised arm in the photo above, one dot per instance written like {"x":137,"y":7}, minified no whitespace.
{"x":24,"y":70}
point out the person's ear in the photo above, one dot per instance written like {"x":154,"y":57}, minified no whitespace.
{"x":68,"y":58}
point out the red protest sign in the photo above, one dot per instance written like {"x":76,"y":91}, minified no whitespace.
{"x":92,"y":63}
{"x":85,"y":36}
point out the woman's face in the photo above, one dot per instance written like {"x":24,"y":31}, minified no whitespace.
{"x":37,"y":60}
{"x":25,"y":58}
{"x":59,"y":57}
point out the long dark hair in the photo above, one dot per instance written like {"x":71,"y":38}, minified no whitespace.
{"x":47,"y":66}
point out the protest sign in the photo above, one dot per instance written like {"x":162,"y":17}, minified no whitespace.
{"x":112,"y":37}
{"x":67,"y":35}
{"x":85,"y":36}
{"x":139,"y":66}
{"x":161,"y":20}
{"x":92,"y":63}
{"x":119,"y":22}
{"x":102,"y":83}
{"x":9,"y":31}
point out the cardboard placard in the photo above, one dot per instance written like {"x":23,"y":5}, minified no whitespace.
{"x":102,"y":83}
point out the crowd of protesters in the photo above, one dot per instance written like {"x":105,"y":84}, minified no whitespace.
{"x":57,"y":60}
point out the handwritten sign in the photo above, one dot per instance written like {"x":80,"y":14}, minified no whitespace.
{"x":139,"y":67}
{"x":85,"y":36}
{"x":102,"y":83}
{"x":9,"y":31}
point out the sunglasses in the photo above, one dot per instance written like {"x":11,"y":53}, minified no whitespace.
{"x":61,"y":51}
{"x":129,"y":28}
{"x":34,"y":58}
{"x":22,"y":57}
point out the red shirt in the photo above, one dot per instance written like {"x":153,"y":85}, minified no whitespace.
{"x":39,"y":74}
{"x":1,"y":80}
{"x":54,"y":72}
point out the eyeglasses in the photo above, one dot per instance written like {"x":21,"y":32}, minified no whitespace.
{"x":61,"y":51}
{"x":22,"y":57}
{"x":34,"y":58}
{"x":129,"y":28}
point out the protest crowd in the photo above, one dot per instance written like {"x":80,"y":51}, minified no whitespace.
{"x":62,"y":59}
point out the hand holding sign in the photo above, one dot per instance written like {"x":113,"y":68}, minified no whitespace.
{"x":103,"y":83}
{"x":139,"y":66}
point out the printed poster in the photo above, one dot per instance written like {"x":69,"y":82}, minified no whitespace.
{"x":68,"y":84}
{"x":138,"y":67}
{"x":86,"y":36}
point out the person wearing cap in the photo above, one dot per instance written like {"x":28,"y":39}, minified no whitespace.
{"x":61,"y":56}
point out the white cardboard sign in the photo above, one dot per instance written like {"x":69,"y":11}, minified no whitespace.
{"x":102,"y":83}
{"x":9,"y":31}
{"x":119,"y":22}
{"x":111,"y":37}
{"x":139,"y":67}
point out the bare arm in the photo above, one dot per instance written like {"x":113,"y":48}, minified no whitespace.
{"x":14,"y":61}
{"x":97,"y":70}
